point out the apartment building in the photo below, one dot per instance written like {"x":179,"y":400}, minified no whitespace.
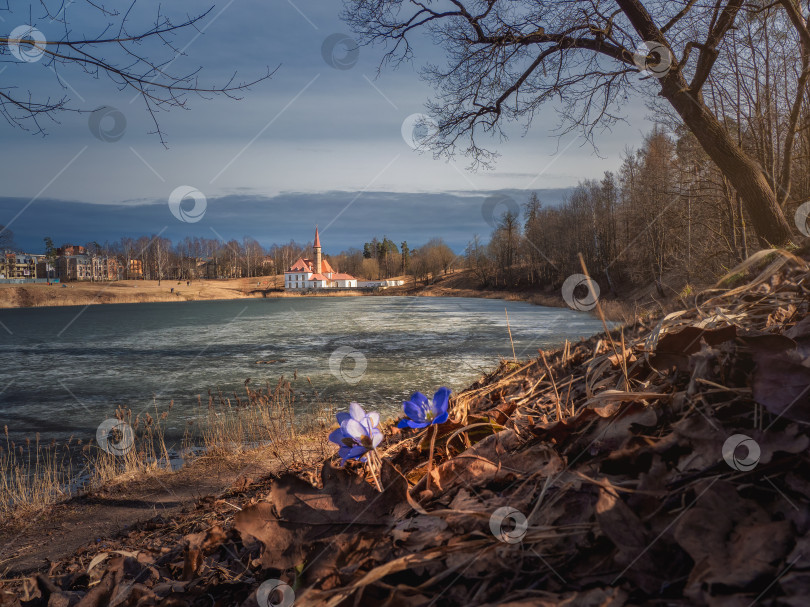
{"x":74,"y":268}
{"x":18,"y":266}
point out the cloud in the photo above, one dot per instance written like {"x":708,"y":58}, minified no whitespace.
{"x":342,"y":134}
{"x":346,"y":218}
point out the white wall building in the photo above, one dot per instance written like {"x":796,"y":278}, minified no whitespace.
{"x":316,"y":274}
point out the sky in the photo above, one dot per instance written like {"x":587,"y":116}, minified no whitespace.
{"x":314,"y":144}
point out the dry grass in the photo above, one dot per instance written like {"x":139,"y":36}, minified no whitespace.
{"x":34,"y":476}
{"x":267,"y":417}
{"x":133,"y":291}
{"x":148,"y":454}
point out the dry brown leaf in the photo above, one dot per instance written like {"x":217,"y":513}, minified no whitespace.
{"x":298,"y":515}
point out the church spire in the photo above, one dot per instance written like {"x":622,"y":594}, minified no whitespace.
{"x":317,"y":252}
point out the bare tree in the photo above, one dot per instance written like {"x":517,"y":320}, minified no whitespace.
{"x":117,"y":52}
{"x":507,"y":58}
{"x":6,"y":239}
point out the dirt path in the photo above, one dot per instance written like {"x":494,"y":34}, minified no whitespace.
{"x":31,"y":544}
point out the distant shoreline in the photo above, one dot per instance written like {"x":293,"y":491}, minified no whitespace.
{"x":18,"y":296}
{"x":14,"y":296}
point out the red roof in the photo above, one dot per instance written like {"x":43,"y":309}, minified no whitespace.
{"x":343,"y":277}
{"x":302,"y":265}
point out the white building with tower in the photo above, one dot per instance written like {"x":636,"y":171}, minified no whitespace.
{"x":316,"y":274}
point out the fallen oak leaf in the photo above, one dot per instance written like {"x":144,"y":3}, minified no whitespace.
{"x":731,"y":540}
{"x":614,"y":399}
{"x":781,"y":383}
{"x":409,"y":561}
{"x":100,"y":557}
{"x":612,"y":431}
{"x":418,"y":532}
{"x":197,"y":546}
{"x":631,"y":537}
{"x":298,"y":515}
{"x":496,"y":458}
{"x":673,"y":349}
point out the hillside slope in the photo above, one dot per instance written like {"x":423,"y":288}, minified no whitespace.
{"x":665,"y":463}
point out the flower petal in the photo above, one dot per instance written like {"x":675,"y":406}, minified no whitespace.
{"x":356,"y":452}
{"x":414,"y":410}
{"x":374,"y":417}
{"x":376,"y":438}
{"x":440,"y":401}
{"x":356,"y":411}
{"x":355,"y":429}
{"x":342,"y":417}
{"x":412,"y":424}
{"x":440,"y":419}
{"x":419,"y":399}
{"x":337,"y":436}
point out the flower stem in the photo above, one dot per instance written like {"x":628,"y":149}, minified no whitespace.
{"x":430,"y":455}
{"x":372,"y":462}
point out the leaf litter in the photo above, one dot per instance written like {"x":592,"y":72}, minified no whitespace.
{"x":604,"y":473}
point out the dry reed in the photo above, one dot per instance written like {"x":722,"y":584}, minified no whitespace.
{"x":34,"y":476}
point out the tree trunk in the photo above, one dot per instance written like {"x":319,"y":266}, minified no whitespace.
{"x":742,"y":171}
{"x":745,"y":174}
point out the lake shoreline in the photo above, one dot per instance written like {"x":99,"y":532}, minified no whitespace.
{"x":15,"y":296}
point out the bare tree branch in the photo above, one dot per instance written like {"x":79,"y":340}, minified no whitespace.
{"x":149,"y":77}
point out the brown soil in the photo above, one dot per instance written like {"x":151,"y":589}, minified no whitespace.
{"x":30,"y":543}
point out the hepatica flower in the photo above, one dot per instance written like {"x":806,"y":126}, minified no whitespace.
{"x":359,"y":432}
{"x":421,"y":412}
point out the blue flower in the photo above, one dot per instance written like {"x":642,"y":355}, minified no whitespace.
{"x":358,"y":433}
{"x":421,"y":412}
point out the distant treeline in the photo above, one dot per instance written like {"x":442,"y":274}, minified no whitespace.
{"x":194,"y":257}
{"x":667,"y":217}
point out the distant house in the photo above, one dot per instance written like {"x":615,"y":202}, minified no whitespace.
{"x":18,"y":266}
{"x":70,"y":249}
{"x":84,"y":267}
{"x":134,"y":271}
{"x":74,"y":268}
{"x":316,"y":274}
{"x":46,"y":269}
{"x":107,"y":268}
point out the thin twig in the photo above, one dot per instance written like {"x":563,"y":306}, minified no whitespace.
{"x":553,"y":385}
{"x":514,"y":357}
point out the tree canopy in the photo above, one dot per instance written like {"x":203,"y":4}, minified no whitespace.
{"x":506,"y":59}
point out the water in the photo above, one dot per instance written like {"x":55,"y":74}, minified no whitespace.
{"x":64,"y":370}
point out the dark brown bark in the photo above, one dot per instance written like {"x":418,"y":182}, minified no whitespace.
{"x":742,"y":171}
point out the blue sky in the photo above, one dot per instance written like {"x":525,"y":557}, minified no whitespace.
{"x":294,"y":152}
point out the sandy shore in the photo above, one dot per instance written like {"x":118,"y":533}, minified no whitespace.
{"x":133,"y":291}
{"x":141,"y":291}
